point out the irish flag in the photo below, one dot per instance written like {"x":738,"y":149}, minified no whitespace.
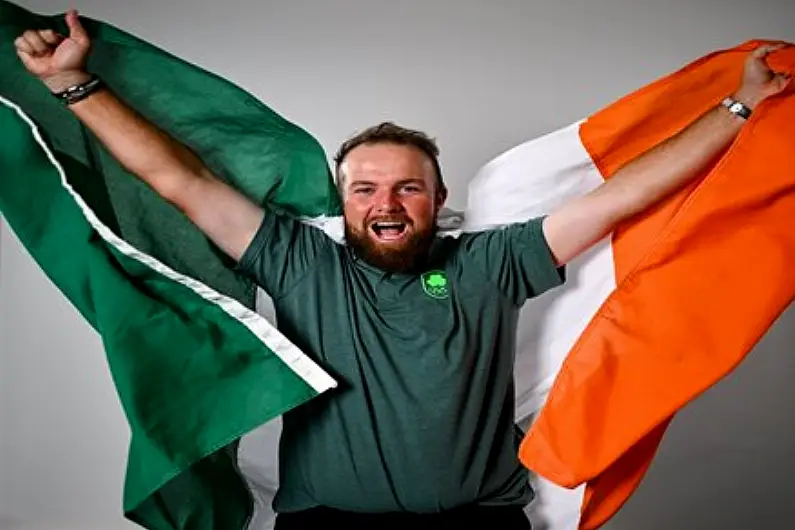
{"x":603,"y":363}
{"x":666,"y":308}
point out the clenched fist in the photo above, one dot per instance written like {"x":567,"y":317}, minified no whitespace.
{"x":58,"y":61}
{"x":759,"y":81}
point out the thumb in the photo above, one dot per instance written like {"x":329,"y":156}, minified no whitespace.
{"x":76,"y":30}
{"x":782,"y":81}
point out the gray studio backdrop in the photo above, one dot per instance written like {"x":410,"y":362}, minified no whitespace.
{"x":481,"y":76}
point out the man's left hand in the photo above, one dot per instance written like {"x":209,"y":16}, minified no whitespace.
{"x":759,"y":81}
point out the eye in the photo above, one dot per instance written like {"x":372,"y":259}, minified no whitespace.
{"x":363,"y":191}
{"x":412,"y":188}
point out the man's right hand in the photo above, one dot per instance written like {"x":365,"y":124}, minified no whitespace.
{"x":224,"y":214}
{"x":58,"y":61}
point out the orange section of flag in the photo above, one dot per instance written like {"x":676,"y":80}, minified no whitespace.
{"x":700,"y":279}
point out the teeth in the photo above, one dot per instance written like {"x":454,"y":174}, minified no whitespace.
{"x":379,"y":227}
{"x":388,"y":224}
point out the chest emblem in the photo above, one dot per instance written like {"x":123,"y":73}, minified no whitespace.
{"x":435,"y":284}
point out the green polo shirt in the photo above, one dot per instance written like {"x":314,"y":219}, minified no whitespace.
{"x":423,"y":417}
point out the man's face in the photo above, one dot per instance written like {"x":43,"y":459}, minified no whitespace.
{"x":391,"y":198}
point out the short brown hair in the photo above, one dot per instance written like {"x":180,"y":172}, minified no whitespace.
{"x":390,"y":133}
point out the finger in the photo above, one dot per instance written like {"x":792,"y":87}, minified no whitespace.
{"x":76,"y":29}
{"x":777,"y":84}
{"x":765,"y":49}
{"x":26,"y":58}
{"x":36,"y":42}
{"x":50,"y":37}
{"x":22,"y":46}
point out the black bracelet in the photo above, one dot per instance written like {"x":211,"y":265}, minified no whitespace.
{"x":76,"y":93}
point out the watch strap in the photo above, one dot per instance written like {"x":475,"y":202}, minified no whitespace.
{"x":737,"y":108}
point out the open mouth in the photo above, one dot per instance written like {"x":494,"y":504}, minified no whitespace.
{"x":388,"y":230}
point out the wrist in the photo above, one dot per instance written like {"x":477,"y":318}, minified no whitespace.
{"x":747,"y":97}
{"x":64,"y":80}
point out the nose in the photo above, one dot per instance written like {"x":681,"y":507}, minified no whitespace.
{"x":387,"y":201}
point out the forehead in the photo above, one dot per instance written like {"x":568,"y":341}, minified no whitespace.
{"x":386,"y":162}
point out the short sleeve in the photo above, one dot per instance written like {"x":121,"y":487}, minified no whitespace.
{"x":516,"y":258}
{"x":282,"y":252}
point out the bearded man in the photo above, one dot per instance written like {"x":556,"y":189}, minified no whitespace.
{"x":419,"y":329}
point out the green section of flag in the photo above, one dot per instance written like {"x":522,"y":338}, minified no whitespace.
{"x":243,"y":141}
{"x":191,"y":378}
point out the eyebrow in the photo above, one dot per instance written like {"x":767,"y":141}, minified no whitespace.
{"x":403,"y":182}
{"x":413,"y":180}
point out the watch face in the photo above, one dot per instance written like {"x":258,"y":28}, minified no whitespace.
{"x":736,"y":107}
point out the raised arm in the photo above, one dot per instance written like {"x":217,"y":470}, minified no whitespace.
{"x":227,"y":217}
{"x":580,"y":223}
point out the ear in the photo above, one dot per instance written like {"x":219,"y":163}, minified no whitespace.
{"x":441,"y":197}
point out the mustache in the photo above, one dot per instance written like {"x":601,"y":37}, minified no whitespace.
{"x":389,"y":219}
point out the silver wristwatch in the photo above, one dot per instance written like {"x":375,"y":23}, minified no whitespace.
{"x":737,"y":108}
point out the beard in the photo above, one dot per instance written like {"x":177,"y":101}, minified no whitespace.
{"x":407,"y":256}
